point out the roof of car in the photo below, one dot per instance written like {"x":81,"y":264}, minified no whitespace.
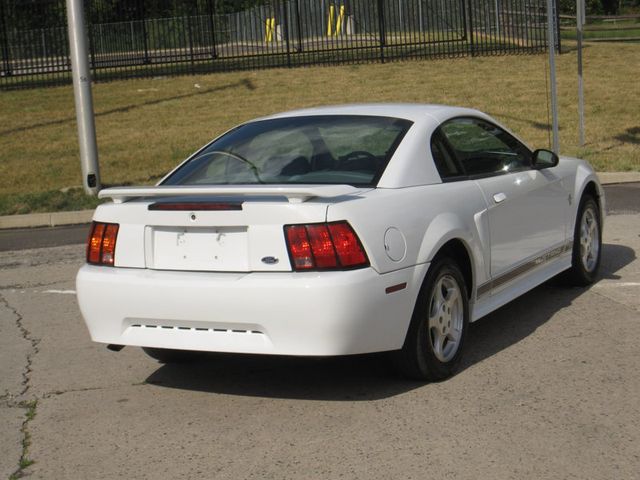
{"x":408,"y":111}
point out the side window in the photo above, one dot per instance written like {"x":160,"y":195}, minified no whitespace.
{"x":483,"y":148}
{"x":445,"y":163}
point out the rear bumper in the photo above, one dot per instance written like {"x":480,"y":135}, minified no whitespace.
{"x":283,"y":313}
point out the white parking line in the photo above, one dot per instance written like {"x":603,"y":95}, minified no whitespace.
{"x":618,"y":284}
{"x":62,"y":292}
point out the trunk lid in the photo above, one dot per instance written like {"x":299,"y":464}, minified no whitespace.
{"x":215,"y":229}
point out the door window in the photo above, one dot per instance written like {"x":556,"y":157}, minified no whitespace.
{"x":483,"y":148}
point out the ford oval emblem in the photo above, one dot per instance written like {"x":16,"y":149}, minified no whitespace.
{"x":270,"y":260}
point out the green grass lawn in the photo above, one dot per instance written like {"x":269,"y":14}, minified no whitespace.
{"x":147,"y":126}
{"x":630,"y":34}
{"x":624,"y":29}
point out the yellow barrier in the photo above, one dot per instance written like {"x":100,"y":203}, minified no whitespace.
{"x":270,"y":29}
{"x":340,"y":20}
{"x":330,"y":21}
{"x":334,"y":26}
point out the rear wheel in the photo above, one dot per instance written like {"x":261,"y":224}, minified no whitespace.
{"x":167,"y":355}
{"x":587,"y":243}
{"x":433,"y":347}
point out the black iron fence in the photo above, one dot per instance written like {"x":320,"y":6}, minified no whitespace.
{"x":136,"y":38}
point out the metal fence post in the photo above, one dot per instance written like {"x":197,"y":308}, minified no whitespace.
{"x":190,"y":33}
{"x":101,"y":35}
{"x":299,"y":25}
{"x":463,"y":4}
{"x":285,"y":8}
{"x":551,"y":34}
{"x":144,"y":33}
{"x":92,"y":51}
{"x":212,"y":27}
{"x":556,"y":13}
{"x":580,"y":20}
{"x":92,"y":48}
{"x":381,"y":27}
{"x":6,"y":62}
{"x":472,"y":47}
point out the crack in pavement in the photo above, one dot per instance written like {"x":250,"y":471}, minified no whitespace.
{"x":29,"y":406}
{"x":55,"y":393}
{"x":27,"y":336}
{"x":24,"y":461}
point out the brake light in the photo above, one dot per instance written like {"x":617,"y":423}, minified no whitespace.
{"x":324,"y":246}
{"x":101,"y":247}
{"x":347,"y":245}
{"x":197,"y":206}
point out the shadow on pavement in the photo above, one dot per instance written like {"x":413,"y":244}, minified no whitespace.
{"x":371,"y":377}
{"x":349,"y":378}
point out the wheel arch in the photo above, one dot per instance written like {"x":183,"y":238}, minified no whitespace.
{"x":592,"y":189}
{"x":458,"y":251}
{"x":448,"y":235}
{"x":587,"y":183}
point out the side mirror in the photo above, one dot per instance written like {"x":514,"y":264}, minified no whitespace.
{"x":544,"y":159}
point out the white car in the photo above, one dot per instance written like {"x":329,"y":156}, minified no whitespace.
{"x":339,"y":230}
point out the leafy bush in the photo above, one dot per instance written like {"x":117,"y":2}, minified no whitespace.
{"x":600,"y":7}
{"x":594,"y":7}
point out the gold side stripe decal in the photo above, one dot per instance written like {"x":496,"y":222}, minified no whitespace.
{"x":485,"y":288}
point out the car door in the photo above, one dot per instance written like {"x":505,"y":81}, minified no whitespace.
{"x":527,"y":208}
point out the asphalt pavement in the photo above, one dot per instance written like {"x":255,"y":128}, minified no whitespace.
{"x":26,"y":238}
{"x":623,"y":198}
{"x":548,"y":389}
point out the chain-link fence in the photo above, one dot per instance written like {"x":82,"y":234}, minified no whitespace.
{"x":138,"y":38}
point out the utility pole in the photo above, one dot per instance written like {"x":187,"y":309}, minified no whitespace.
{"x":551,"y":41}
{"x":580,"y":21}
{"x":82,"y":93}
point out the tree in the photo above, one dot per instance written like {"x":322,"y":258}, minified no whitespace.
{"x":593,"y":7}
{"x":610,"y":7}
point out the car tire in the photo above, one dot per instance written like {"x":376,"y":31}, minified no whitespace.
{"x":435,"y":340}
{"x":587,"y":244}
{"x":167,"y":355}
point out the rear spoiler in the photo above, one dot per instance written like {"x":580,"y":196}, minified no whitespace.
{"x":293,"y":193}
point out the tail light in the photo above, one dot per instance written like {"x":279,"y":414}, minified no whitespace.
{"x":101,"y":247}
{"x":324,"y":246}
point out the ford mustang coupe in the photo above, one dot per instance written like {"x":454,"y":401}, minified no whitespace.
{"x":339,"y":230}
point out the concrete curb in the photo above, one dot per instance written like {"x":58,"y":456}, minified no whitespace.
{"x":609,"y":178}
{"x":53,"y":219}
{"x":57,"y":219}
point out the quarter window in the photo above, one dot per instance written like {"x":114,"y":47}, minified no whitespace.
{"x":483,"y":148}
{"x":445,"y":163}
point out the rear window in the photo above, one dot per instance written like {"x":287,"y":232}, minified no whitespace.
{"x":338,"y":149}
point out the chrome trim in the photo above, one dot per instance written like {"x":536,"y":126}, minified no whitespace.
{"x":520,"y":270}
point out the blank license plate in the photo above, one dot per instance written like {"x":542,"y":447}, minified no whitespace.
{"x":206,"y":249}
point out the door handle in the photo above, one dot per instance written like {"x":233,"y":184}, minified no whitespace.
{"x":499,"y":197}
